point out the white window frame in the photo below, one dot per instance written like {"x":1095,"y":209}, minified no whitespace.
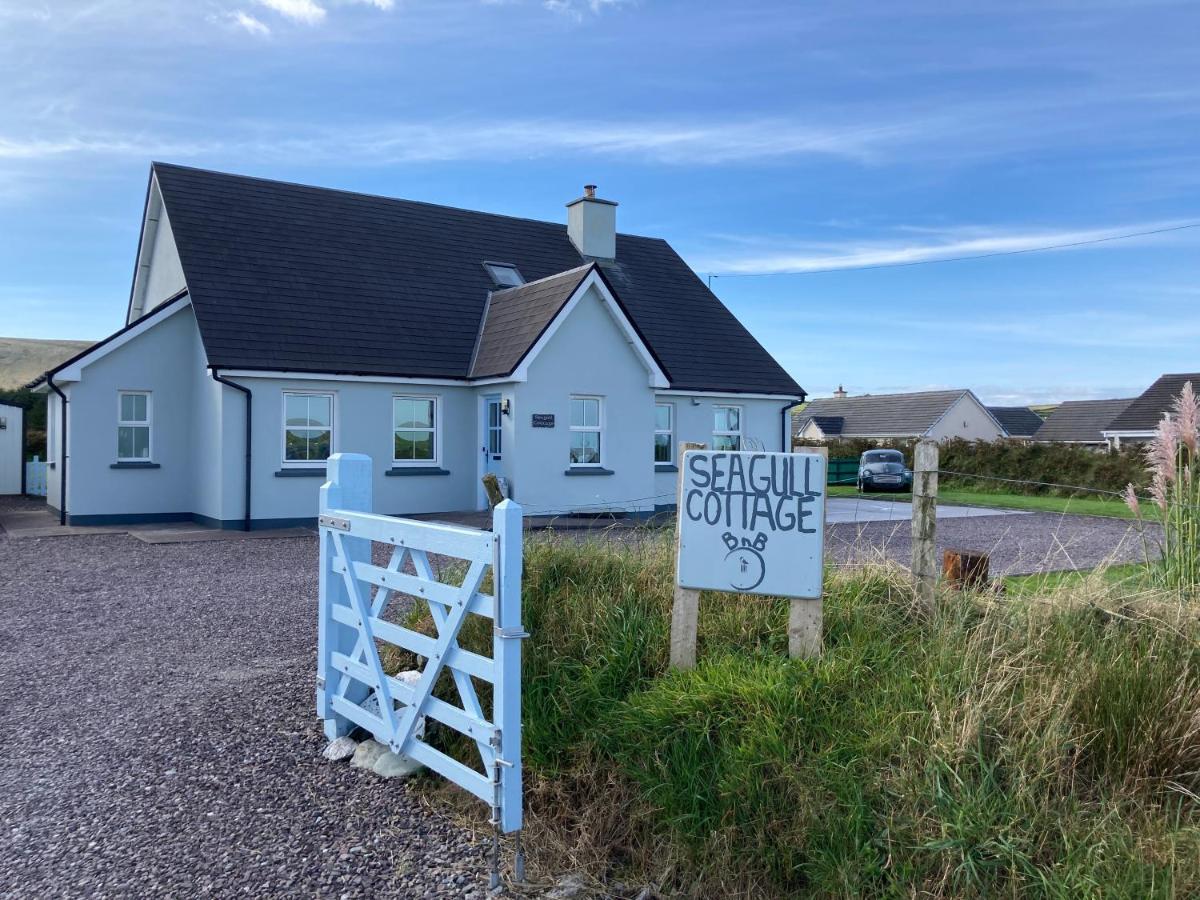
{"x":669,"y":432}
{"x":741,"y":411}
{"x":148,"y":424}
{"x":333,"y":430}
{"x":436,"y":430}
{"x":598,"y":429}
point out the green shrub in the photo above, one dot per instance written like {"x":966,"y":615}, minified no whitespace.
{"x":1037,"y":465}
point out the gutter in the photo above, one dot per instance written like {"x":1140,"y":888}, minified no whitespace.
{"x":220,"y":379}
{"x":62,"y":500}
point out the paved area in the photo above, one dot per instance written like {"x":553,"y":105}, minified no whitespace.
{"x":22,"y":517}
{"x":160,"y":738}
{"x":864,"y":509}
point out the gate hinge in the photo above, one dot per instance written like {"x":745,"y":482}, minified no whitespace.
{"x":320,"y":683}
{"x":333,"y":522}
{"x":514,"y":631}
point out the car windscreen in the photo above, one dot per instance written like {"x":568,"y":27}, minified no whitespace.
{"x":879,"y":456}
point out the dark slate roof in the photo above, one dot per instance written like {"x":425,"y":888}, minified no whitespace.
{"x":1018,"y":421}
{"x":872,"y":415}
{"x":1081,"y":421}
{"x":829,"y":425}
{"x":285,"y":276}
{"x":516,"y":318}
{"x":1145,"y":412}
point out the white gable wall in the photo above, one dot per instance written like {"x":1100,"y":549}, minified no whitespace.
{"x":159,"y":274}
{"x":590,"y":355}
{"x":162,"y":360}
{"x":164,"y":279}
{"x":967,"y":419}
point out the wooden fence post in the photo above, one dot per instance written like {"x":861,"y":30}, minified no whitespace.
{"x":348,"y":488}
{"x":805,"y":617}
{"x":924,"y":522}
{"x":686,"y":608}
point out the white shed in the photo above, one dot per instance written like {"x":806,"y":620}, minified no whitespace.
{"x":12,"y":448}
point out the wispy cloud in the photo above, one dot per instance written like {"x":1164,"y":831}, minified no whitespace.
{"x":305,"y":11}
{"x":939,"y":245}
{"x":576,"y":8}
{"x":657,"y":141}
{"x":244,"y":20}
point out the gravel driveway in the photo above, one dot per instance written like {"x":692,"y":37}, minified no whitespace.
{"x":1017,"y":544}
{"x":160,"y":736}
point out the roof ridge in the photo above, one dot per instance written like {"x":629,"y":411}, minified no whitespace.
{"x":370,"y":196}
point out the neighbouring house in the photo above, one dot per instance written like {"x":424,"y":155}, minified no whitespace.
{"x":272,"y":324}
{"x":1017,"y":421}
{"x":1081,"y":422}
{"x":938,"y":415}
{"x":1136,"y":423}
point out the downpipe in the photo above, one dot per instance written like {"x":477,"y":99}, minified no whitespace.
{"x":220,"y":379}
{"x":62,"y":500}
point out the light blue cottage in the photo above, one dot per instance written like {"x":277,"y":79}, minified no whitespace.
{"x":272,"y":324}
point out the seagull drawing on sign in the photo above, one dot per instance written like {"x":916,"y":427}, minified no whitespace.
{"x":748,"y":566}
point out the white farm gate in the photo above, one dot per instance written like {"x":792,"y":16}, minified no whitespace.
{"x":37,"y":477}
{"x":354,"y":598}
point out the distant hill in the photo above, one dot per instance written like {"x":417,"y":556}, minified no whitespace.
{"x":24,"y":359}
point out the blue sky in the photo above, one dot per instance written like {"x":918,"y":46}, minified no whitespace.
{"x":755,"y":136}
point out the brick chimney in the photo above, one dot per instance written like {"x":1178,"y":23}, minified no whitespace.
{"x":592,"y":225}
{"x":840,"y":392}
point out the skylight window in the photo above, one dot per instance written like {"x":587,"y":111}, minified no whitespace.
{"x":505,"y":275}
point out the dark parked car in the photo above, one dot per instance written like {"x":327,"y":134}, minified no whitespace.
{"x":883,"y":470}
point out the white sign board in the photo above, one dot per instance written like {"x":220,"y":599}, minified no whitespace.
{"x":753,"y":523}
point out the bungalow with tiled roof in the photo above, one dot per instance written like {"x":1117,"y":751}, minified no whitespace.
{"x":270,"y":325}
{"x":938,"y":415}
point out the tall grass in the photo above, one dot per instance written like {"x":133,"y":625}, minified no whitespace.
{"x":1047,"y":746}
{"x":1174,"y":468}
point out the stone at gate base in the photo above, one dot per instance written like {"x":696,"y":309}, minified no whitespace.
{"x":383,"y":762}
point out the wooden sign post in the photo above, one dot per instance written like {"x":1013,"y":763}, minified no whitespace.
{"x":749,"y":522}
{"x":686,"y":610}
{"x":805,"y":616}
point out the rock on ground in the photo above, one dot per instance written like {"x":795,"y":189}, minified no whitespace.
{"x":367,"y":754}
{"x":393,"y":765}
{"x":340,"y":749}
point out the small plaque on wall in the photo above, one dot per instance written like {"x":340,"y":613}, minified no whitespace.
{"x":543,"y":420}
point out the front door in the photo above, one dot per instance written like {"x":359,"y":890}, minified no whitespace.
{"x":493,"y":439}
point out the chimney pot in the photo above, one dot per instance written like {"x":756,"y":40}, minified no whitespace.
{"x":589,"y":191}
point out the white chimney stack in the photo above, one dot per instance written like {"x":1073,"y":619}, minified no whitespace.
{"x":592,"y":225}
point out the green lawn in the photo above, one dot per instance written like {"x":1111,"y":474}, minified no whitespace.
{"x":1085,"y":506}
{"x":1128,"y":576}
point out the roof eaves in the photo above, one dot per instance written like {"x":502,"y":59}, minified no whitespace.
{"x":137,"y":256}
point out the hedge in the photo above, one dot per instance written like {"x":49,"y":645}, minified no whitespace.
{"x":1038,"y":465}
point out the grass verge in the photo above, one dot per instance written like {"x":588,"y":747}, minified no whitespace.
{"x":1042,"y":745}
